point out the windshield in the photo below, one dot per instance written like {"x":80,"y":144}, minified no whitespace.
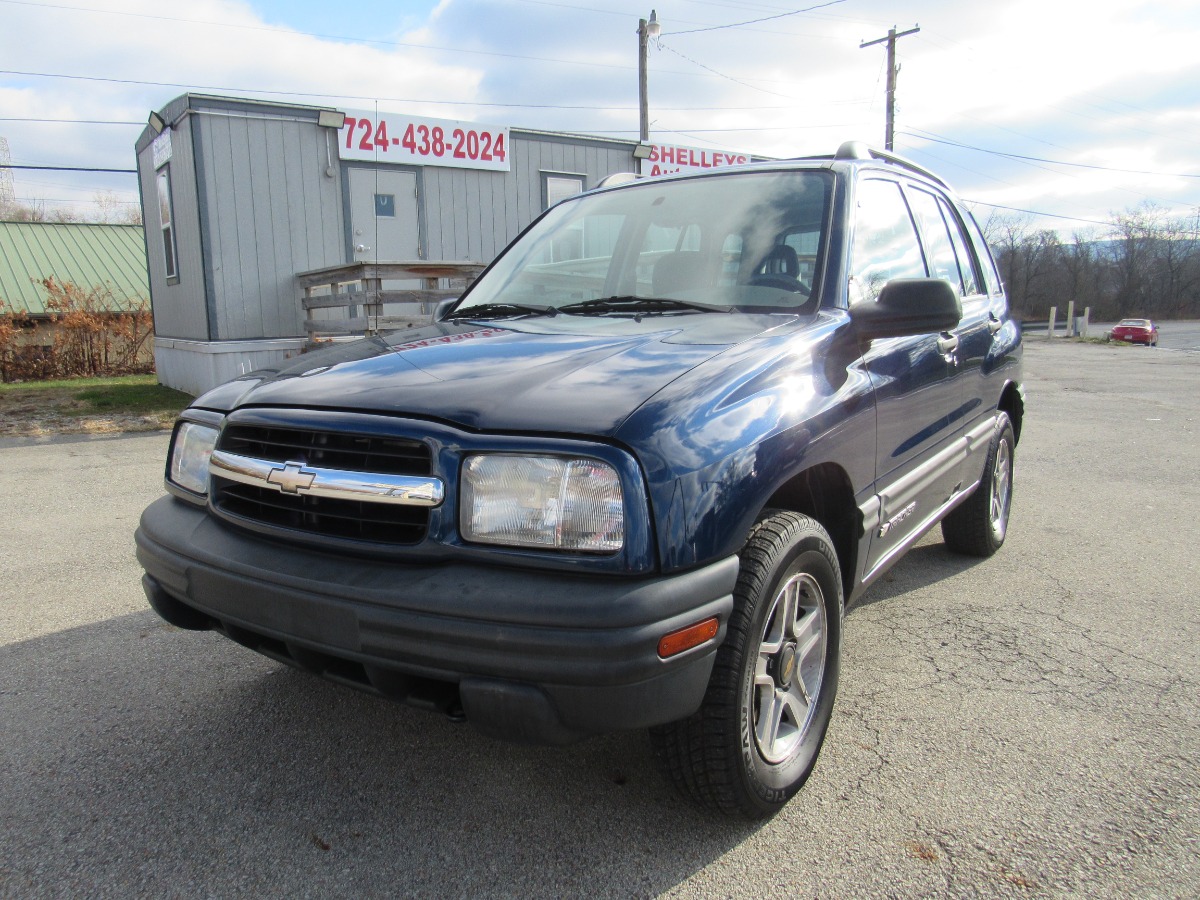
{"x":750,"y":242}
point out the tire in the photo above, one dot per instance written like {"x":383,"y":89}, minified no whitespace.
{"x":755,"y":739}
{"x":979,"y":525}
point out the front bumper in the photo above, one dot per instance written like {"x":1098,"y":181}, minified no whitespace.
{"x":526,"y":655}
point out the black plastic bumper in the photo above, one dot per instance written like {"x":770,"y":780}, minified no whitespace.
{"x":530,"y":655}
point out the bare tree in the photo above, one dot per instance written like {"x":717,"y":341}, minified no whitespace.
{"x":108,"y":206}
{"x":1148,"y":266}
{"x":22,"y":211}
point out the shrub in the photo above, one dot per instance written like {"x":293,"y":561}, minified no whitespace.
{"x":91,"y":334}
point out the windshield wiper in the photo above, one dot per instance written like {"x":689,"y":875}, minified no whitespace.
{"x":501,"y":311}
{"x":630,"y":304}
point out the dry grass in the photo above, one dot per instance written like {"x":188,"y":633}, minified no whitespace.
{"x":88,"y":406}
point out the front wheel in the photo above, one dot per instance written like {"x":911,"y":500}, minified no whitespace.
{"x":755,"y":739}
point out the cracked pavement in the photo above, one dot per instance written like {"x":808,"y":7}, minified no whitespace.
{"x":1025,"y":726}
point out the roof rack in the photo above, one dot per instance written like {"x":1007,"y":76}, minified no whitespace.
{"x":619,"y":178}
{"x":860,"y":150}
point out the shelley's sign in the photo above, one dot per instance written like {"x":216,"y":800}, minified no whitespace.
{"x":666,"y":159}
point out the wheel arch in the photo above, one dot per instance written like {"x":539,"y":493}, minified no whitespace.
{"x":824,"y":493}
{"x":1012,"y":401}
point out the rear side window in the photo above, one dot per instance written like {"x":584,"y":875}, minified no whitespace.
{"x":939,"y":249}
{"x":990,"y":275}
{"x":971,"y":280}
{"x":885,"y":241}
{"x":946,"y":246}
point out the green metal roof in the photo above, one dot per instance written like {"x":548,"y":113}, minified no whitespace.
{"x":113,"y":256}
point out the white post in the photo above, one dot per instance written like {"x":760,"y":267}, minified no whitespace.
{"x":1070,"y":318}
{"x":1050,"y":329}
{"x":1087,"y":317}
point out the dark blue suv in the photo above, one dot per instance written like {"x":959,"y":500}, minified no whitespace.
{"x":633,"y":478}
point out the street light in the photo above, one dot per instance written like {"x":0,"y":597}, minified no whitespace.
{"x":646,"y":30}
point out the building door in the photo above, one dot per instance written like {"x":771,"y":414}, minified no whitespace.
{"x":383,"y":215}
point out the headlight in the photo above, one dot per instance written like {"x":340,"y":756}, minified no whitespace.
{"x":192,"y":447}
{"x":542,"y":501}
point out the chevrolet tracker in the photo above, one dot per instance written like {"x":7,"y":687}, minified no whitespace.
{"x":632,"y":478}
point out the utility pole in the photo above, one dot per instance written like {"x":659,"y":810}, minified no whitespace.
{"x":893,"y":70}
{"x":646,"y":30}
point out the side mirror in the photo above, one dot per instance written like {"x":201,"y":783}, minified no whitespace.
{"x":909,"y":306}
{"x":444,"y":306}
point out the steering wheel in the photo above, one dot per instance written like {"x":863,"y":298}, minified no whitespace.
{"x":781,"y":281}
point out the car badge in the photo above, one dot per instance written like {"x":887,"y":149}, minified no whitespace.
{"x":292,"y":478}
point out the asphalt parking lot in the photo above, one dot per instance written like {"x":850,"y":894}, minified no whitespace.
{"x":1026,"y":726}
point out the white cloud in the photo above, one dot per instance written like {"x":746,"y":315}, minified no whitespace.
{"x":1104,"y":82}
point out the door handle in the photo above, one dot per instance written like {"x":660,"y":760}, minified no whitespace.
{"x":361,"y":248}
{"x":947,"y":343}
{"x":994,"y":324}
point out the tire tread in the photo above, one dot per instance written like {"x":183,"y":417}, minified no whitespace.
{"x":700,"y":754}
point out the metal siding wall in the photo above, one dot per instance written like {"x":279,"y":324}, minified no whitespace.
{"x":429,"y":214}
{"x":462,"y":215}
{"x":179,"y":309}
{"x":222,"y":203}
{"x":266,"y":238}
{"x":531,"y":186}
{"x":274,"y":213}
{"x":512,"y":212}
{"x":498,"y":228}
{"x":324,"y":203}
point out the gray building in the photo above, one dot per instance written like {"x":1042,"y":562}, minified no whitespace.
{"x":241,"y":196}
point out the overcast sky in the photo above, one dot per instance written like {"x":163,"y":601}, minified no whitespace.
{"x":1076,"y":109}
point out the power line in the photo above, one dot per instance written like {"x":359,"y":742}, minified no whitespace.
{"x":71,"y":121}
{"x":784,"y":15}
{"x":1055,"y":162}
{"x":1195,"y":234}
{"x":68,"y":169}
{"x":31,"y":200}
{"x":923,"y":151}
{"x":720,"y":74}
{"x":385,"y":43}
{"x":1039,"y":214}
{"x":246,"y":90}
{"x":376,"y":41}
{"x":289,"y":31}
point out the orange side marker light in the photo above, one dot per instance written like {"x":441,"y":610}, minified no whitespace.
{"x":686,"y":638}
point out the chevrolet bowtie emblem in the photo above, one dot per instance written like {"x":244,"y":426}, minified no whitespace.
{"x":292,"y":478}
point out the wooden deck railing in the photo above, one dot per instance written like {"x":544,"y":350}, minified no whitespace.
{"x":358,"y":289}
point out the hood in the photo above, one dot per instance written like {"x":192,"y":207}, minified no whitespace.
{"x":569,"y":374}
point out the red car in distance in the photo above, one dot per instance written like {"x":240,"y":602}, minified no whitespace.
{"x":1135,"y":331}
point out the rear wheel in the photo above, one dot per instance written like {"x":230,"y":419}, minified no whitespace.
{"x":978,"y":526}
{"x":755,"y":739}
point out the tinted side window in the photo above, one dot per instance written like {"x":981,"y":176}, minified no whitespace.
{"x":985,"y":257}
{"x":939,"y":251}
{"x":971,"y":280}
{"x":885,"y":241}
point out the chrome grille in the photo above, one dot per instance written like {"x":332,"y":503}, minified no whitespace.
{"x":347,"y":519}
{"x":333,"y":450}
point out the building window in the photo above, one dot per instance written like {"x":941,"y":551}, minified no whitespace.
{"x":166,"y":220}
{"x":385,"y":206}
{"x":557,"y":187}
